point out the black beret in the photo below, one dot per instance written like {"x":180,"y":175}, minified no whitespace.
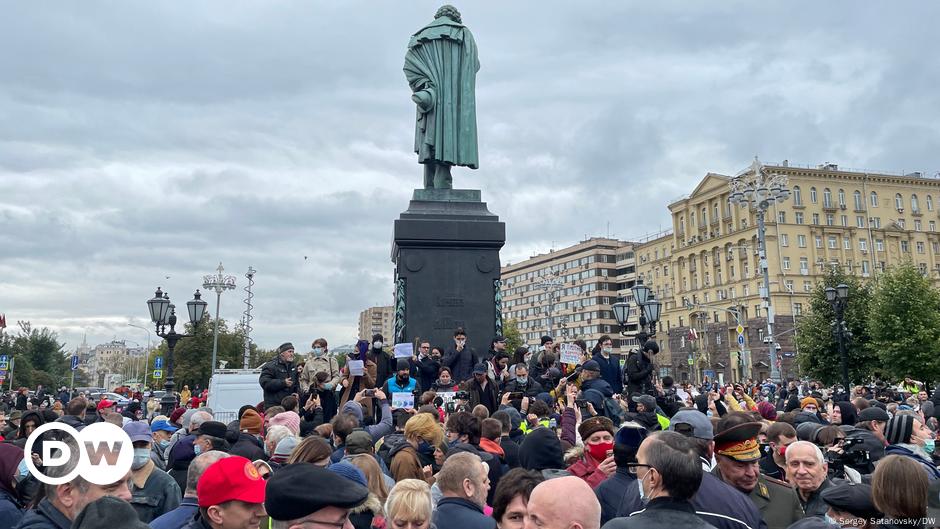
{"x":873,"y":414}
{"x":854,"y":498}
{"x":300,"y":489}
{"x":213,"y":428}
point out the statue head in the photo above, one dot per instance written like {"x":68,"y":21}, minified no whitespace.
{"x":450,"y":12}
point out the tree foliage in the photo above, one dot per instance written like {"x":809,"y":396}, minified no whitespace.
{"x":512,"y":335}
{"x":39,"y":358}
{"x":818,"y":347}
{"x":192,"y":356}
{"x":904,"y":322}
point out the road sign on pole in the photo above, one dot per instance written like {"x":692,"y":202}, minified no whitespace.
{"x":4,"y":362}
{"x":74,"y":363}
{"x":740,"y":339}
{"x":157,"y":373}
{"x":158,"y":362}
{"x":740,"y":329}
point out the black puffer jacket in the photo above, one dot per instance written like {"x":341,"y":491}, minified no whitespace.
{"x":272,"y":380}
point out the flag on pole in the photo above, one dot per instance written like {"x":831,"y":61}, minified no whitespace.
{"x":3,"y":321}
{"x":693,"y":334}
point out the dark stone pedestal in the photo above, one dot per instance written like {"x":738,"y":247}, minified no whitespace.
{"x":446,"y":255}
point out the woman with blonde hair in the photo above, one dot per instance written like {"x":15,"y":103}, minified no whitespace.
{"x":409,"y":505}
{"x":413,"y":458}
{"x":369,"y":513}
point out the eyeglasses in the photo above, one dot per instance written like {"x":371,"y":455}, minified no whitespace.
{"x":633,"y":468}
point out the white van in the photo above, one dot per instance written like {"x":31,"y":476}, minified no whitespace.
{"x":230,"y":389}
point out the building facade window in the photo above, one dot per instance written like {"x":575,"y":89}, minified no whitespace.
{"x":863,"y":245}
{"x":880,"y":245}
{"x":815,"y":219}
{"x":827,"y":198}
{"x":866,"y":268}
{"x":875,"y":222}
{"x":812,"y":195}
{"x":858,"y":200}
{"x":782,"y":217}
{"x":898,"y":201}
{"x":797,"y":196}
{"x":786,"y":263}
{"x":842,"y":197}
{"x":931,"y":225}
{"x":832,"y":242}
{"x":830,"y":219}
{"x":846,"y":243}
{"x":859,"y":221}
{"x":804,"y":265}
{"x":929,"y":203}
{"x":918,"y":226}
{"x":784,"y":239}
{"x":873,"y":199}
{"x":801,"y":241}
{"x":915,"y":205}
{"x":797,"y":309}
{"x":799,"y":217}
{"x":819,"y":241}
{"x":845,"y":221}
{"x":905,"y":247}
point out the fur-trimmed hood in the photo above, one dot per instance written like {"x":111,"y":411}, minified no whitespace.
{"x":372,"y":504}
{"x":574,"y":454}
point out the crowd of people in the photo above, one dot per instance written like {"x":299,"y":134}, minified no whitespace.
{"x":454,"y":438}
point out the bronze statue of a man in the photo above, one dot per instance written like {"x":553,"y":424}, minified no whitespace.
{"x":441,"y":66}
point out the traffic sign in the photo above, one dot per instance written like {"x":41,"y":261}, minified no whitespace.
{"x":4,"y":362}
{"x":74,"y":363}
{"x":157,"y":373}
{"x":740,"y":329}
{"x":158,"y":362}
{"x":740,"y":339}
{"x":691,"y":361}
{"x":709,"y":373}
{"x":3,"y":376}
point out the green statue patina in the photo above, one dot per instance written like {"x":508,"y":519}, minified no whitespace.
{"x":441,"y":67}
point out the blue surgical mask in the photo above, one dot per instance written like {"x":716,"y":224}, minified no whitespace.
{"x":197,"y":448}
{"x":522,"y":380}
{"x":163,"y":444}
{"x":22,"y":470}
{"x":141,"y":456}
{"x":317,"y":351}
{"x":929,"y":446}
{"x":639,"y":483}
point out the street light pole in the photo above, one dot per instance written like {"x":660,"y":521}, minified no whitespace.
{"x":755,"y":187}
{"x":219,"y":283}
{"x":163,"y":314}
{"x":838,"y":298}
{"x":149,"y":349}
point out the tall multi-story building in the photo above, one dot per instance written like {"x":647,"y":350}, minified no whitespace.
{"x":862,"y":222}
{"x":588,"y":278}
{"x":376,"y":320}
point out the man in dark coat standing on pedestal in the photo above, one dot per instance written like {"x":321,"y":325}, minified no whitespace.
{"x":279,"y":377}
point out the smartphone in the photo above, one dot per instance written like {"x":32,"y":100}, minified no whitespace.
{"x":610,"y":453}
{"x":369,"y":393}
{"x":516,"y":395}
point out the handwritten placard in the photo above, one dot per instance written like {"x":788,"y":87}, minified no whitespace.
{"x":570,"y":353}
{"x":403,"y":400}
{"x":404,"y":350}
{"x":357,"y":368}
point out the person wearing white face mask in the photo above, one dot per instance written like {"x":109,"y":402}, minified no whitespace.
{"x":609,"y":363}
{"x":320,"y":361}
{"x":909,"y":437}
{"x":153,"y":492}
{"x":668,"y":473}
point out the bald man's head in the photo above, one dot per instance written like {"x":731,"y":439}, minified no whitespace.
{"x":579,"y":510}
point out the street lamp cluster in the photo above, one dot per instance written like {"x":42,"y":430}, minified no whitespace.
{"x":758,"y":188}
{"x":648,"y":308}
{"x":838,"y":298}
{"x":163,"y":315}
{"x":551,"y":284}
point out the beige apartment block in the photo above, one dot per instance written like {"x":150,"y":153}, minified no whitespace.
{"x":588,"y":278}
{"x":377,"y":320}
{"x":862,"y":222}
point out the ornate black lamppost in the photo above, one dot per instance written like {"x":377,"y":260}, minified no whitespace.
{"x":648,"y":308}
{"x":838,"y":297}
{"x":163,"y":314}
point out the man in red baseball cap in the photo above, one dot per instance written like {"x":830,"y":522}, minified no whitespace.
{"x":231,"y":496}
{"x":105,"y":407}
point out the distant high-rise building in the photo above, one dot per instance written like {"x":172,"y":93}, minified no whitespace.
{"x":377,"y":320}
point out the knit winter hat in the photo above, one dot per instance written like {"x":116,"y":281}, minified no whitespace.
{"x":899,"y":429}
{"x":251,"y":422}
{"x":289,"y":419}
{"x":767,"y":410}
{"x":349,"y":471}
{"x":808,"y":401}
{"x":595,"y":424}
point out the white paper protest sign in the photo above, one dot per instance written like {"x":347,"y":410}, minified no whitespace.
{"x":357,"y":368}
{"x":404,"y":350}
{"x":570,"y":354}
{"x":403,"y":400}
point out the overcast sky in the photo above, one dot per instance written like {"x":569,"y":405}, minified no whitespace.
{"x":143,"y":142}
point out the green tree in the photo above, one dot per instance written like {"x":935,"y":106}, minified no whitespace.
{"x":904,"y":322}
{"x":512,"y":335}
{"x":38,"y":355}
{"x":192,"y":356}
{"x":819,"y":349}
